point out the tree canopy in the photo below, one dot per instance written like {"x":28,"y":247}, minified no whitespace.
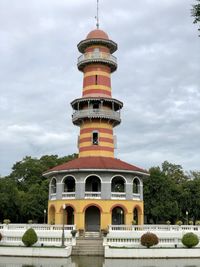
{"x":196,"y":13}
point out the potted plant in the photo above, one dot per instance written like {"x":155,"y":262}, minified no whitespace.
{"x":73,"y":232}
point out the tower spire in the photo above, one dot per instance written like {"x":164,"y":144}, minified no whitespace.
{"x":97,"y":16}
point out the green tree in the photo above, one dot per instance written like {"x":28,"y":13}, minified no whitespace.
{"x":160,"y":197}
{"x":196,"y":13}
{"x":9,"y":200}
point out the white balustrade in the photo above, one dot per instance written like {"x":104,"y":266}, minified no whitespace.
{"x":68,"y":195}
{"x":96,"y":195}
{"x":118,"y":195}
{"x":136,"y":196}
{"x":48,"y":235}
{"x":53,"y":196}
{"x":97,"y":56}
{"x":96,"y":113}
{"x":129,"y":235}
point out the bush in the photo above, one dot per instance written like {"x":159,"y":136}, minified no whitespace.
{"x":149,"y":239}
{"x":1,"y":236}
{"x":190,"y":240}
{"x":6,"y":221}
{"x":73,"y":232}
{"x":30,"y":237}
{"x":179,"y":222}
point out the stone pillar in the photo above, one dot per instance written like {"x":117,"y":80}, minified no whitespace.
{"x":59,"y":190}
{"x":129,"y":191}
{"x":106,"y":190}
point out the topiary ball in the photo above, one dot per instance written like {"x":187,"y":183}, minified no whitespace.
{"x":190,"y":240}
{"x":149,"y":239}
{"x":30,"y":237}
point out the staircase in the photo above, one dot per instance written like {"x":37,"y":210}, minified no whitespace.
{"x":89,"y":245}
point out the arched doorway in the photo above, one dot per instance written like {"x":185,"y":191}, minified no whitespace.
{"x":52,"y":213}
{"x":135,"y":216}
{"x":117,"y":216}
{"x":92,"y":219}
{"x":70,"y":215}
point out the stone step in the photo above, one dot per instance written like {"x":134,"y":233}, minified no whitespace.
{"x":88,"y":246}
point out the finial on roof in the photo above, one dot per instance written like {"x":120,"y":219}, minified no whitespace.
{"x":97,"y":16}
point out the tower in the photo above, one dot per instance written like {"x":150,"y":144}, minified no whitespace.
{"x":96,"y":112}
{"x":96,"y":189}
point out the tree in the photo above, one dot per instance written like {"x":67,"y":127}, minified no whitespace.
{"x":196,"y":13}
{"x":160,"y":193}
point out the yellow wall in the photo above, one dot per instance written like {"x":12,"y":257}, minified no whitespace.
{"x":105,"y":207}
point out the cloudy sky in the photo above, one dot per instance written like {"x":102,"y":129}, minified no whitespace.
{"x":158,"y":78}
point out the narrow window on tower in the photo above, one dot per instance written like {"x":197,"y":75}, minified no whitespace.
{"x":95,"y":138}
{"x":96,"y":79}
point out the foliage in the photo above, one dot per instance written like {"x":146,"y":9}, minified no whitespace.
{"x":196,"y":12}
{"x":149,"y":239}
{"x":179,"y":222}
{"x":73,"y":232}
{"x":1,"y":236}
{"x":164,"y":204}
{"x":6,"y":221}
{"x":24,"y":193}
{"x":190,"y":240}
{"x":30,"y":237}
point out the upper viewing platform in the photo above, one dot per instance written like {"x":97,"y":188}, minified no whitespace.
{"x":97,"y":57}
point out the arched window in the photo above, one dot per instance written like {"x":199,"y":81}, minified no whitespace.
{"x":93,"y":184}
{"x":53,"y":186}
{"x":136,"y":186}
{"x":69,"y":184}
{"x":117,"y":216}
{"x":118,"y":184}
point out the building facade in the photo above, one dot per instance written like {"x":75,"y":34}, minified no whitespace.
{"x":96,"y":189}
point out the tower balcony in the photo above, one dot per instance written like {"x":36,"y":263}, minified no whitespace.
{"x":79,"y":115}
{"x":97,"y":57}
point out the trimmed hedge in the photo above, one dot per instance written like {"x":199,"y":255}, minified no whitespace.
{"x":190,"y":240}
{"x":149,"y":239}
{"x":30,"y":237}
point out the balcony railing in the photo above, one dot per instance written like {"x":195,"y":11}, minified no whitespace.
{"x":97,"y":57}
{"x":53,"y":196}
{"x":96,"y":195}
{"x":136,"y":196}
{"x":96,"y":113}
{"x":118,"y":195}
{"x":68,"y":195}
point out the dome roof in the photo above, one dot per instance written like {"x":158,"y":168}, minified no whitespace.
{"x":97,"y":34}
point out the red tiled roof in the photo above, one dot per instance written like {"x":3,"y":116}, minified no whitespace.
{"x":96,"y":163}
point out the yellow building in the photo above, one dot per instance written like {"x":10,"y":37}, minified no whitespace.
{"x":96,"y":189}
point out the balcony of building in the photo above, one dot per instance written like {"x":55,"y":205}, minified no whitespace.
{"x":92,"y":113}
{"x":93,"y":188}
{"x":97,"y":57}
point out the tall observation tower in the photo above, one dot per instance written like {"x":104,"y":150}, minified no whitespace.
{"x":96,"y":189}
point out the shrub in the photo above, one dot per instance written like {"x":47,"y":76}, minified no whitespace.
{"x":6,"y":221}
{"x":30,"y":237}
{"x":197,"y":223}
{"x":149,"y":239}
{"x":1,"y":236}
{"x":168,"y":222}
{"x":190,"y":240}
{"x":179,"y":222}
{"x":73,"y":232}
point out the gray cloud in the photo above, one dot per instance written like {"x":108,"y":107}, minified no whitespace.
{"x":158,"y":78}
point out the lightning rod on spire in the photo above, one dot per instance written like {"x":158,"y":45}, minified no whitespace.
{"x":97,"y":16}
